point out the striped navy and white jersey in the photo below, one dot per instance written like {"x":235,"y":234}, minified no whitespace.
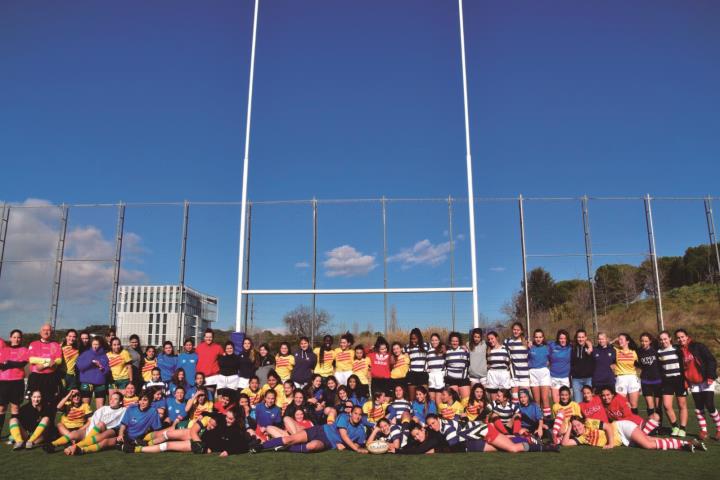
{"x":473,"y":431}
{"x":396,"y":433}
{"x":505,"y":412}
{"x":457,"y":361}
{"x":669,"y":359}
{"x":519,"y":353}
{"x":417,"y":356}
{"x":449,"y":429}
{"x":499,"y":358}
{"x":435,"y":361}
{"x":397,"y":408}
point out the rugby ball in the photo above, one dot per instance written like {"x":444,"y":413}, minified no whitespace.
{"x":377,"y":447}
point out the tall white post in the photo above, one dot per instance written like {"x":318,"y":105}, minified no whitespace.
{"x":241,"y":254}
{"x":471,"y":196}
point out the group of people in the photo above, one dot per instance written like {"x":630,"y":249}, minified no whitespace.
{"x":517,"y":394}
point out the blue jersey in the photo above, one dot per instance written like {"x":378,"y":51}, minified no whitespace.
{"x":539,"y":355}
{"x":268,"y":416}
{"x":530,"y":416}
{"x":560,"y":360}
{"x":175,"y":410}
{"x":356,"y":433}
{"x":167,"y":365}
{"x":158,"y":404}
{"x":418,"y":409}
{"x":191,"y":391}
{"x":604,"y":357}
{"x":188,"y":362}
{"x":138,"y":423}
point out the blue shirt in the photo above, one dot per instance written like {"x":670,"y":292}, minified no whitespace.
{"x":604,"y":357}
{"x":268,"y":416}
{"x":167,"y":365}
{"x":560,"y":360}
{"x":538,"y":356}
{"x":356,"y":433}
{"x":530,"y":416}
{"x":162,"y":403}
{"x":188,"y":362}
{"x":418,"y":409}
{"x":138,"y":423}
{"x":191,"y":391}
{"x":175,"y":410}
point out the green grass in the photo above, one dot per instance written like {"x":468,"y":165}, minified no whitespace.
{"x":577,"y":462}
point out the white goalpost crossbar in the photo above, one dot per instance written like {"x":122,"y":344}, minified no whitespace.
{"x":345,"y":291}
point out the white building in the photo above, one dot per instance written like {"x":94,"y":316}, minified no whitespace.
{"x":152,"y":312}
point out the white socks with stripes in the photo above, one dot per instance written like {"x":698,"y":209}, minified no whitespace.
{"x":650,"y":425}
{"x":669,"y":444}
{"x":716,"y":418}
{"x":557,"y":424}
{"x":700,"y":415}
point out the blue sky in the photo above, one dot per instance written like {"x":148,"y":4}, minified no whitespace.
{"x":146,"y":102}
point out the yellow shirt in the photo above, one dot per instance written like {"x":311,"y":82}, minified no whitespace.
{"x":571,"y":409}
{"x":284,"y":365}
{"x":401,"y":367}
{"x":595,"y":435}
{"x":361,"y":368}
{"x":255,"y":397}
{"x":75,"y":416}
{"x":625,"y":362}
{"x":374,"y":412}
{"x":279,"y":394}
{"x":127,"y":401}
{"x":448,"y":412}
{"x":199,"y":409}
{"x":326,"y":369}
{"x":120,"y":364}
{"x":344,"y":359}
{"x":147,"y":368}
{"x":70,"y":355}
{"x":472,"y":411}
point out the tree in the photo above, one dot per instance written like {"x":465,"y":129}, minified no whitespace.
{"x":299,"y":322}
{"x":541,"y":287}
{"x":393,"y":325}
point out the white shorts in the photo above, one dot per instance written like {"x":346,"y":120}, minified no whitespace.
{"x":625,"y":428}
{"x":540,"y":377}
{"x":625,"y":384}
{"x":212,"y":380}
{"x":556,"y":383}
{"x":229,"y":381}
{"x":243,"y":383}
{"x":702,"y":387}
{"x":436,"y":379}
{"x":498,"y":379}
{"x":342,"y":377}
{"x":481,"y":380}
{"x":300,"y":385}
{"x":521,"y":382}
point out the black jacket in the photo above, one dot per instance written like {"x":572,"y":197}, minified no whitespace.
{"x":704,"y":359}
{"x":582,"y":364}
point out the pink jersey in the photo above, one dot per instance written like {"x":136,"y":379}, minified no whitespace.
{"x":16,"y":354}
{"x":49,"y":350}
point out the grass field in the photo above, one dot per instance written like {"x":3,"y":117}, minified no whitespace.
{"x":577,"y":462}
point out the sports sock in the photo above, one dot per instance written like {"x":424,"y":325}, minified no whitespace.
{"x":91,"y":448}
{"x":516,"y":426}
{"x":15,"y":433}
{"x":148,"y":437}
{"x":650,"y":425}
{"x":163,"y":447}
{"x":557,"y":424}
{"x":137,"y":449}
{"x":299,"y":448}
{"x":634,"y":410}
{"x":669,"y":444}
{"x":515,"y":397}
{"x":547,"y":412}
{"x":650,"y":411}
{"x":37,"y":433}
{"x":87,"y":441}
{"x":63,"y":440}
{"x":716,"y":418}
{"x":700,"y":415}
{"x":272,"y":443}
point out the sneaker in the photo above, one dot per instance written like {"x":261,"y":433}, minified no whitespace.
{"x":699,"y":445}
{"x":690,"y":447}
{"x":19,"y":446}
{"x":681,"y":433}
{"x":703,"y":434}
{"x":29,"y":445}
{"x":10,"y":442}
{"x":717,"y":436}
{"x":675,"y":432}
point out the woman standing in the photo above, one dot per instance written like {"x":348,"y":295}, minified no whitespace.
{"x":435,"y":365}
{"x":400,"y":363}
{"x":539,"y":372}
{"x":13,"y":358}
{"x":247,"y":363}
{"x":167,"y":361}
{"x":229,"y":365}
{"x":582,"y":364}
{"x":604,"y":356}
{"x":700,"y":370}
{"x":92,"y":367}
{"x":325,"y":357}
{"x":626,"y":380}
{"x":650,"y":376}
{"x":149,"y":362}
{"x":344,"y":356}
{"x":477,"y":349}
{"x":305,"y":360}
{"x":120,"y":366}
{"x":498,"y":366}
{"x":70,"y":353}
{"x":673,"y":384}
{"x":417,"y":351}
{"x":560,"y":353}
{"x":380,"y":380}
{"x":361,"y":372}
{"x":518,"y":348}
{"x":457,"y":362}
{"x":284,"y":362}
{"x":265,"y":363}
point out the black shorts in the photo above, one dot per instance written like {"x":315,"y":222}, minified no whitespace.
{"x":457,"y":382}
{"x":317,"y":432}
{"x":384,"y":384}
{"x":12,"y":391}
{"x":49,"y":386}
{"x":417,"y":379}
{"x":399,"y":382}
{"x":674,"y":386}
{"x":651,"y":389}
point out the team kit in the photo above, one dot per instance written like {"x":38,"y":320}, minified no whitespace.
{"x":523,"y":393}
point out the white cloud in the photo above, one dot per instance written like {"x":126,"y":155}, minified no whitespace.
{"x":461,"y":236}
{"x":497,"y":269}
{"x":345,"y":261}
{"x":302,"y":264}
{"x":423,"y":252}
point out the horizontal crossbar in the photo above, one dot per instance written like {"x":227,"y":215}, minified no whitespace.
{"x":345,"y":291}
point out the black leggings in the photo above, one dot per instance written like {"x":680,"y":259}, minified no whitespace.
{"x":704,"y":401}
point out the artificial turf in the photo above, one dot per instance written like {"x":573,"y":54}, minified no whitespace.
{"x":570,"y":463}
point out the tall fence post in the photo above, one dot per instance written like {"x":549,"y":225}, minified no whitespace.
{"x":4,"y":221}
{"x":526,"y":293}
{"x":452,"y":260}
{"x":653,"y":259}
{"x":119,"y":232}
{"x":711,"y":232}
{"x":385,"y":257}
{"x":183,"y":252}
{"x":59,"y":255}
{"x":588,"y":263}
{"x":313,"y":322}
{"x":246,"y":280}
